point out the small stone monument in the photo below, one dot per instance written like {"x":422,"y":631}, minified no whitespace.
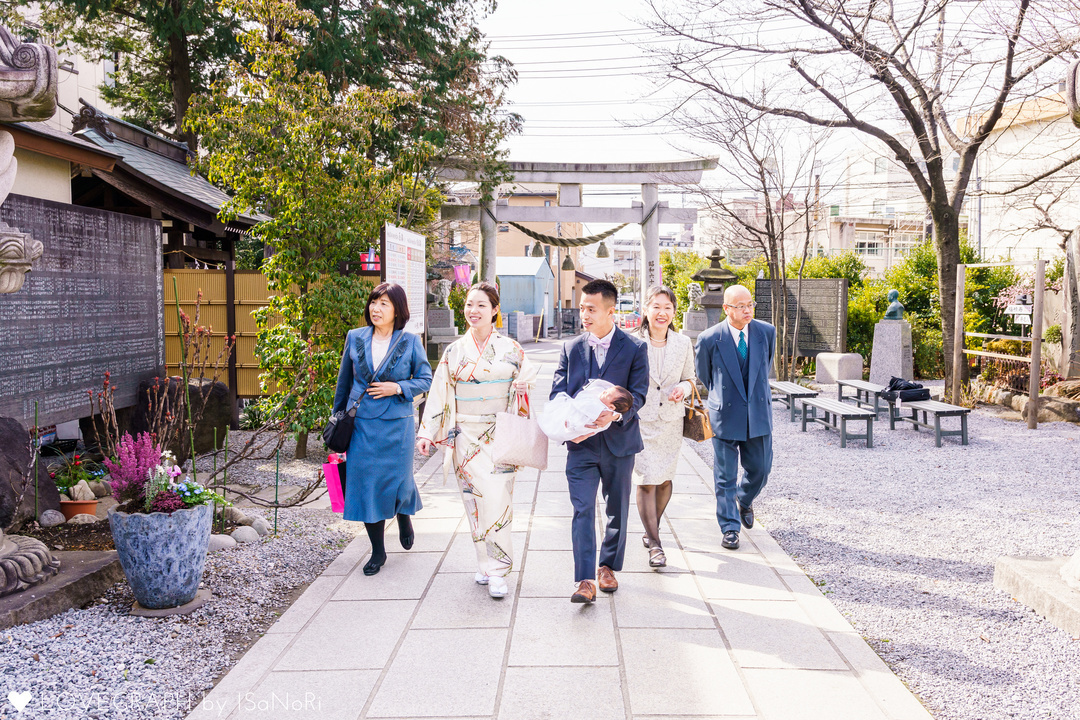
{"x":715,"y":278}
{"x":695,"y":320}
{"x":441,"y":329}
{"x":891,"y":355}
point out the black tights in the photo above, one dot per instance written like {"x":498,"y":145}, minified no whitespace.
{"x":652,"y":500}
{"x":376,"y":533}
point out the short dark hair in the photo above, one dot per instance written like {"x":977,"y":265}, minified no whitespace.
{"x":604,"y":288}
{"x":623,"y":399}
{"x":396,"y":294}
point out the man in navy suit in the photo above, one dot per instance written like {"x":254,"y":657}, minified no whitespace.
{"x":733,"y":361}
{"x":605,"y":459}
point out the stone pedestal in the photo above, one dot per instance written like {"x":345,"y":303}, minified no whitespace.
{"x":441,"y":331}
{"x":519,"y":326}
{"x":891,"y":356}
{"x":1037,"y":582}
{"x":694,"y":322}
{"x":830,"y":367}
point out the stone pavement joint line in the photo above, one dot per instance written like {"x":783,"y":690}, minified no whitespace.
{"x":716,"y":634}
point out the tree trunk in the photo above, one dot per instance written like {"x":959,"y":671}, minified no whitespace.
{"x":947,"y":244}
{"x":182,"y":88}
{"x":301,"y":445}
{"x":1070,"y":326}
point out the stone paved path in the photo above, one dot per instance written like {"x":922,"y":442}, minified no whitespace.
{"x":716,"y":634}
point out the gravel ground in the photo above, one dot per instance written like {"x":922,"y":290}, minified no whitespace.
{"x":903,"y":537}
{"x":99,"y":662}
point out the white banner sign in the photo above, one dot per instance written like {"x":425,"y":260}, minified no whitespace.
{"x":404,"y":262}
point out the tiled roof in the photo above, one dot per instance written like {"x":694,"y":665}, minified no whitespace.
{"x":47,"y":130}
{"x":168,"y":175}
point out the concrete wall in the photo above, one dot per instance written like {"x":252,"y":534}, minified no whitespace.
{"x":41,"y":176}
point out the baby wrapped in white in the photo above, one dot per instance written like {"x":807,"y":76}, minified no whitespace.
{"x":568,"y":418}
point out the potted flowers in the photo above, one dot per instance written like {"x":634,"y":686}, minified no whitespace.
{"x":81,"y":499}
{"x":161,"y":528}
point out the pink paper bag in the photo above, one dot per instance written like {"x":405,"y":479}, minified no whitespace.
{"x":333,"y":484}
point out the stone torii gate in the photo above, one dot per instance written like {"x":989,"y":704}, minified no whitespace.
{"x":570,"y":177}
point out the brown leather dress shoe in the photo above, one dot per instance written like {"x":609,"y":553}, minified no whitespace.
{"x":586,"y":592}
{"x":606,"y":577}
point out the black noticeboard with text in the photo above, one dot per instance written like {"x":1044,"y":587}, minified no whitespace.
{"x":92,"y":304}
{"x":823,"y":317}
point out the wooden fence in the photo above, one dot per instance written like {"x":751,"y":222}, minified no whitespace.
{"x":227,"y":304}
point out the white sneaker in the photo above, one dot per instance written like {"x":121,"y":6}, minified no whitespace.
{"x":481,"y":578}
{"x":497,"y":587}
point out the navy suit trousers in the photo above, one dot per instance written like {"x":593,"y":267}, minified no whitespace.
{"x":589,"y":467}
{"x":756,"y":456}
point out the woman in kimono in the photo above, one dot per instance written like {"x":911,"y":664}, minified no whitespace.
{"x":671,"y":378}
{"x":477,"y":377}
{"x":382,"y":369}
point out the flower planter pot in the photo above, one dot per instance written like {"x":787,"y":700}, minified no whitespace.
{"x":71,"y":508}
{"x":162,"y":555}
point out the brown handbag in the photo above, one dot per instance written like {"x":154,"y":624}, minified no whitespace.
{"x":696,"y":425}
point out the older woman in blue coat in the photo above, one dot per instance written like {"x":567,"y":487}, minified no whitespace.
{"x":382,"y":369}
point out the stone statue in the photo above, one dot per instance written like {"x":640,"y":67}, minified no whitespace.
{"x":695,"y":293}
{"x":27,"y":92}
{"x":442,"y":293}
{"x":896,"y":310}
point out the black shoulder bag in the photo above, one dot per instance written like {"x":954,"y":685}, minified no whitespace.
{"x":339,"y":430}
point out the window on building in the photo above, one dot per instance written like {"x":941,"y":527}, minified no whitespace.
{"x":905,"y":242}
{"x":881,"y":166}
{"x":869,"y":244}
{"x":547,"y":203}
{"x":956,"y":164}
{"x":504,"y":228}
{"x":879,"y":207}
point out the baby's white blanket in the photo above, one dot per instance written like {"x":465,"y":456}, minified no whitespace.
{"x":565,"y":418}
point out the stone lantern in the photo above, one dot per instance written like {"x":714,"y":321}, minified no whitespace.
{"x":715,"y":279}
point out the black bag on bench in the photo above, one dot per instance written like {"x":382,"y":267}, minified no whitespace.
{"x":906,"y":390}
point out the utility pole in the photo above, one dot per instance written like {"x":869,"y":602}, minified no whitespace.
{"x":559,"y":300}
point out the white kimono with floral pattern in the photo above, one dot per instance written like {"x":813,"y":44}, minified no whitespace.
{"x":472,"y":383}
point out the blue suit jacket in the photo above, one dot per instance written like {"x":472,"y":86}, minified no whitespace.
{"x":737,"y":413}
{"x":626,"y":364}
{"x":405,"y":363}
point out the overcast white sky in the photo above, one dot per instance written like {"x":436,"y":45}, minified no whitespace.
{"x":580,"y":80}
{"x":581,"y":86}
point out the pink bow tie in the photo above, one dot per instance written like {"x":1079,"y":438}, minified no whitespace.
{"x":599,"y":342}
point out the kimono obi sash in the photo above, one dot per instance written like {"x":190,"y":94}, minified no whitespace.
{"x":483,"y":397}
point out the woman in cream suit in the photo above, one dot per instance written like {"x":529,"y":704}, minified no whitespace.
{"x":671,"y":374}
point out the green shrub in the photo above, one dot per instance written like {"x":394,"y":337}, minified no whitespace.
{"x":842,"y":265}
{"x":677,"y":267}
{"x":1053,"y":334}
{"x":865,"y":309}
{"x":456,"y":301}
{"x":927,"y":348}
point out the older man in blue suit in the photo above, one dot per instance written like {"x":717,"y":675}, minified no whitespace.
{"x":606,"y":458}
{"x":733,"y":361}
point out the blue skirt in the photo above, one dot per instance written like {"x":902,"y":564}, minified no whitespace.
{"x":379,"y":470}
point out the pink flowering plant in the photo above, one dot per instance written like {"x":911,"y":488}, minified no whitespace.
{"x":146,"y":479}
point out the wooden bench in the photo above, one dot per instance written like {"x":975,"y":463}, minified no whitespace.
{"x":866,"y":394}
{"x":935,"y":409}
{"x":789,"y":393}
{"x":833,"y":411}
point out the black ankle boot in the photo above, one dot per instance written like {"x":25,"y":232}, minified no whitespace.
{"x":378,"y":548}
{"x":405,"y":531}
